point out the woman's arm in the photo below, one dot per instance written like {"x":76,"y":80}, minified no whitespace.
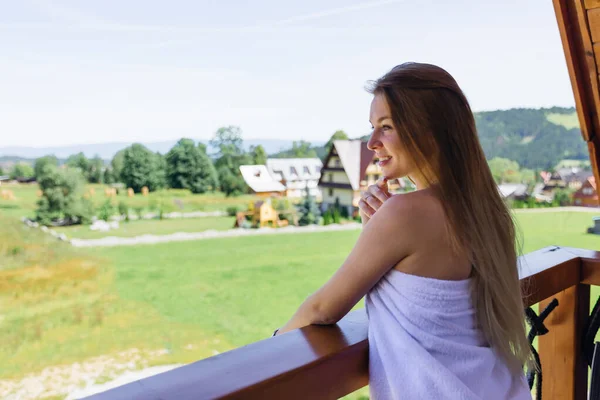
{"x":384,"y":241}
{"x":307,"y":314}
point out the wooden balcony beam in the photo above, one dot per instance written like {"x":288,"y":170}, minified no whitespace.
{"x":307,"y":363}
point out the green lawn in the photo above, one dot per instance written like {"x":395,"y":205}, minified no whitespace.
{"x":556,"y":228}
{"x":88,"y":302}
{"x":154,"y":227}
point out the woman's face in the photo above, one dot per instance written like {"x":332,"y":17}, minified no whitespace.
{"x":385,"y":141}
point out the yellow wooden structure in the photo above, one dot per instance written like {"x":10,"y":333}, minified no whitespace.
{"x":264,"y":213}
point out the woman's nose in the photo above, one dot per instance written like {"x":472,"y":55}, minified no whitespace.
{"x":373,"y":142}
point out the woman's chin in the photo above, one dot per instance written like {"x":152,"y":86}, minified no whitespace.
{"x":391,"y":174}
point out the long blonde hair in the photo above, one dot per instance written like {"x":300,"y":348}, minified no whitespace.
{"x":436,"y":127}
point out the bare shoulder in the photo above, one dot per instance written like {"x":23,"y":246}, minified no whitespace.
{"x":413,"y":206}
{"x":419,"y":220}
{"x":408,"y":217}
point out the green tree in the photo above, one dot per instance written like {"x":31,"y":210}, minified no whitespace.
{"x":230,"y":183}
{"x":21,"y":170}
{"x":1,"y":171}
{"x":230,"y":155}
{"x":116,"y":166}
{"x":108,"y":176}
{"x":527,"y":176}
{"x":337,"y":135}
{"x":62,"y":200}
{"x":562,"y":197}
{"x":161,"y":163}
{"x":229,"y":144}
{"x":189,"y":167}
{"x":142,"y":167}
{"x":96,"y":170}
{"x":259,"y":155}
{"x":41,"y":162}
{"x":80,"y":162}
{"x":302,"y":149}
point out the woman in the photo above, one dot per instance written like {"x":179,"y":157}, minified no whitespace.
{"x":438,"y":265}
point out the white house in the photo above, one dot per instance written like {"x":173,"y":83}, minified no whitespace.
{"x":297,"y":174}
{"x":513,"y":190}
{"x":350,"y":167}
{"x":259,"y":179}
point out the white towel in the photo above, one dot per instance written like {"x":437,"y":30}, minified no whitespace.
{"x":424,"y":344}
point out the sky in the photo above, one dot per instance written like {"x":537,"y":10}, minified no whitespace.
{"x":78,"y":72}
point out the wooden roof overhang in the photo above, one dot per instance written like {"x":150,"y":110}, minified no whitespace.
{"x":579,"y":27}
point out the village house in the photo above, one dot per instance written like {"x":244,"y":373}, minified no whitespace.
{"x":350,"y":167}
{"x":513,"y":191}
{"x":258,"y":178}
{"x":586,"y":196}
{"x":298,"y":175}
{"x":572,"y":178}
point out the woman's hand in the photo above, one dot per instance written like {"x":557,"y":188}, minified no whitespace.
{"x":372,"y":199}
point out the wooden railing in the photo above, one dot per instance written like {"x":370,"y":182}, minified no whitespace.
{"x":328,"y":362}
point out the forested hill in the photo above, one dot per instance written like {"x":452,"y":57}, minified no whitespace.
{"x":535,"y":138}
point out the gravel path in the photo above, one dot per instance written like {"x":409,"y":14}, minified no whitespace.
{"x":125,"y":378}
{"x":110,"y":241}
{"x":79,"y":379}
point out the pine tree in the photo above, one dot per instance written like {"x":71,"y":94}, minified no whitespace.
{"x":309,"y":212}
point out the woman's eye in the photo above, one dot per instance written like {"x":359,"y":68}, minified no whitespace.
{"x":386,"y":127}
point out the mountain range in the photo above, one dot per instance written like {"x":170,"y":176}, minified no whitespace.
{"x":108,"y":150}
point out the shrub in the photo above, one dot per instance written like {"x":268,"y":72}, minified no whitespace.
{"x":327,"y":218}
{"x":336,"y":215}
{"x":232,"y":211}
{"x":106,"y":210}
{"x":62,"y":202}
{"x":344,"y":212}
{"x":124,"y":210}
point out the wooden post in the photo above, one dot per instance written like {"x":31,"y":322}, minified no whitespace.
{"x":564,"y":368}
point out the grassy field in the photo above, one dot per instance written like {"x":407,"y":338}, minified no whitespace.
{"x":154,"y":227}
{"x":569,"y":121}
{"x":61,"y":305}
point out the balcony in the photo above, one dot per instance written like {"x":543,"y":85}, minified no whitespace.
{"x":328,"y":362}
